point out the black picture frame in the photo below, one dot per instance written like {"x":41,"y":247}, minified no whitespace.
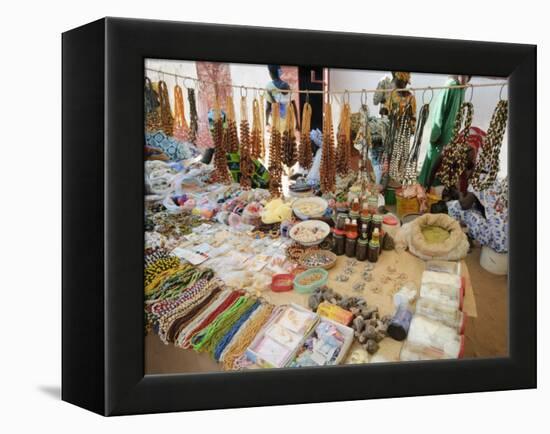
{"x":103,"y":324}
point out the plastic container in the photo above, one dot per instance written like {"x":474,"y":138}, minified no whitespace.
{"x":362,"y":249}
{"x":493,"y":262}
{"x":442,"y":313}
{"x":306,"y":288}
{"x":351,"y":244}
{"x":406,"y":206}
{"x":390,"y":224}
{"x":411,"y":352}
{"x":444,"y":288}
{"x":407,"y":294}
{"x":400,"y":323}
{"x":426,"y":332}
{"x":448,"y":267}
{"x":339,"y":247}
{"x":389,"y":196}
{"x":282,"y":282}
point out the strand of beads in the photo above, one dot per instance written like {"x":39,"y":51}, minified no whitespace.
{"x":231,"y":139}
{"x":180,"y":127}
{"x":275,"y":158}
{"x":193,"y":116}
{"x":400,"y":150}
{"x":289,"y":138}
{"x":411,"y":171}
{"x":455,"y":154}
{"x":262,"y":128}
{"x":220,"y":155}
{"x":256,"y":134}
{"x":166,"y":119}
{"x":343,"y":148}
{"x":488,"y":163}
{"x":246,"y":163}
{"x":305,"y":156}
{"x":328,"y":163}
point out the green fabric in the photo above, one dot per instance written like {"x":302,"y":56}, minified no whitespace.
{"x":444,"y":112}
{"x":260,"y":177}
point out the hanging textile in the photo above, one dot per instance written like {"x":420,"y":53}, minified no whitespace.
{"x":181,"y":129}
{"x":444,"y":111}
{"x":328,"y":163}
{"x":246,"y":164}
{"x":305,"y":155}
{"x":166,"y":119}
{"x":289,"y":138}
{"x":363,"y":142}
{"x":343,"y":147}
{"x":275,"y":157}
{"x":411,"y":171}
{"x":455,"y":154}
{"x":488,"y":162}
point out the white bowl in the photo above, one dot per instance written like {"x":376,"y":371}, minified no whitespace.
{"x":322,"y":227}
{"x":319,"y":201}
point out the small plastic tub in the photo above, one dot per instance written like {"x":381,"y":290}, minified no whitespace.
{"x":282,"y":282}
{"x":309,"y":286}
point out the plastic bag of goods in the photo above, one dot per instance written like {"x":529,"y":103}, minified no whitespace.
{"x":443,"y":288}
{"x":443,"y":313}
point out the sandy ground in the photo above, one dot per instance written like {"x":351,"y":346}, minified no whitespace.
{"x":486,"y":335}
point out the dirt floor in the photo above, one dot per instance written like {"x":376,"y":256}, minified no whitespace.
{"x":486,"y":335}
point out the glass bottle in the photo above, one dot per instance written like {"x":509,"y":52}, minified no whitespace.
{"x":374,"y":246}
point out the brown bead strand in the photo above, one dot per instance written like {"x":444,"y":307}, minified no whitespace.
{"x":289,"y":139}
{"x":328,"y":163}
{"x":221,"y":173}
{"x":231,"y":138}
{"x":256,"y":134}
{"x":166,"y":119}
{"x":262,"y":127}
{"x":489,"y":159}
{"x":275,"y":163}
{"x":193,"y":116}
{"x":246,"y":164}
{"x":305,"y":156}
{"x":180,"y":128}
{"x":455,"y":154}
{"x":343,"y":149}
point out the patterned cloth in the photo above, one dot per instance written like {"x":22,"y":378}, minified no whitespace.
{"x":492,"y":230}
{"x":173,"y":148}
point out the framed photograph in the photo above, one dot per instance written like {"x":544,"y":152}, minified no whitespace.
{"x":256,"y":216}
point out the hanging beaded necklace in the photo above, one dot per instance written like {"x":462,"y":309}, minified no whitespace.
{"x":400,"y":149}
{"x":221,"y":173}
{"x":193,"y":116}
{"x":231,"y":139}
{"x":167,"y":122}
{"x":246,"y":163}
{"x":289,"y":138}
{"x":343,"y":147}
{"x":262,"y":128}
{"x":256,"y":134}
{"x":328,"y":163}
{"x":305,"y":157}
{"x":180,"y":128}
{"x":411,"y":172}
{"x":488,"y":162}
{"x":275,"y":163}
{"x":455,"y":154}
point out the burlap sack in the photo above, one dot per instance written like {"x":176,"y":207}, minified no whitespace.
{"x":452,"y":249}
